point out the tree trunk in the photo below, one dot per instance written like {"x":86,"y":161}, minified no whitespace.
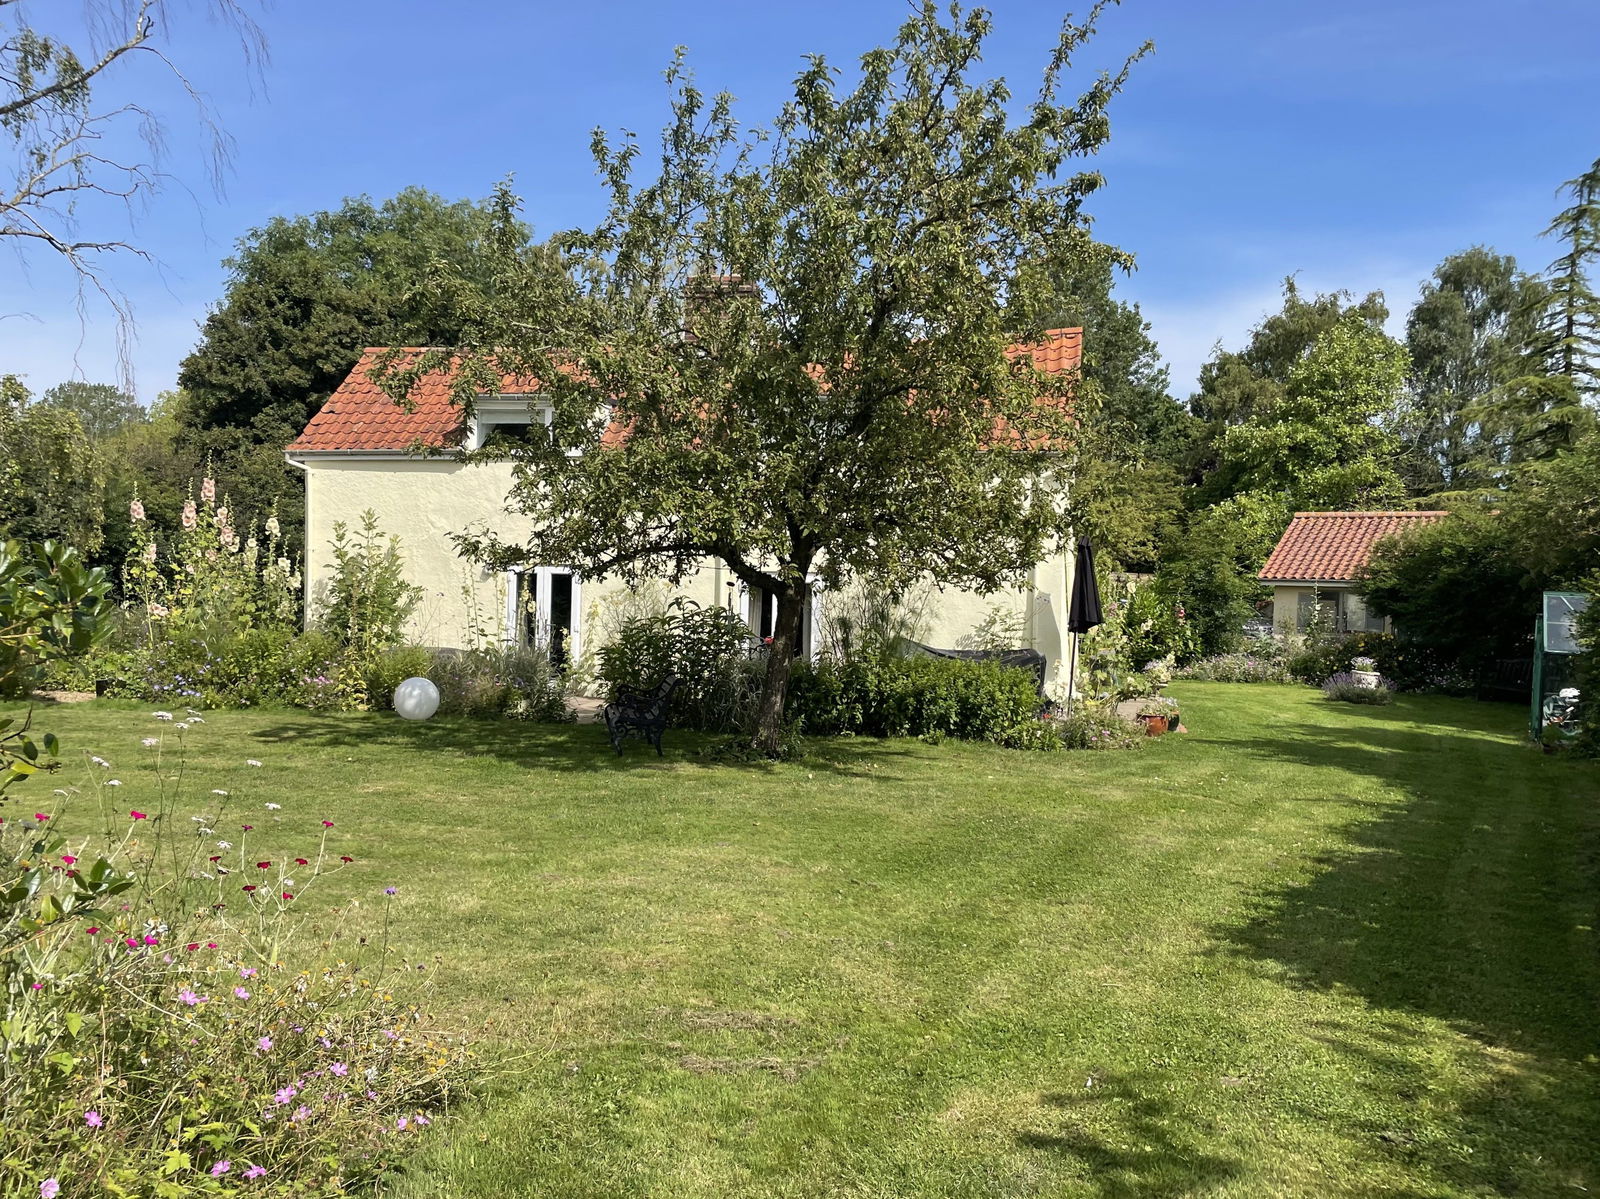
{"x":768,"y":737}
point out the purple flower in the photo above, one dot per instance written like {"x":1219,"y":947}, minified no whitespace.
{"x":92,"y":1119}
{"x":391,"y":890}
{"x":49,"y":1189}
{"x":300,"y":1113}
{"x":284,"y":1094}
{"x":401,"y":1123}
{"x":241,"y":993}
{"x":189,"y":997}
{"x":254,"y":1172}
{"x":221,"y":1168}
{"x":264,"y":1044}
{"x":338,"y":1069}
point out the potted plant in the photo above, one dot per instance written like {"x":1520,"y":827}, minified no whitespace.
{"x":1364,"y":671}
{"x":1158,"y":715}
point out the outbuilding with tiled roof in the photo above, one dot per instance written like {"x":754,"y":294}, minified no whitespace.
{"x":1316,"y":562}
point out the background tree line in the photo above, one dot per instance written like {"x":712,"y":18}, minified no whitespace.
{"x":1485,"y":406}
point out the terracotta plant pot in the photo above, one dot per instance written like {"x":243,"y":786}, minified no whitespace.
{"x":1154,"y":726}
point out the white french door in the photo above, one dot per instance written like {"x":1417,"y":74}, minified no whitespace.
{"x":543,"y":607}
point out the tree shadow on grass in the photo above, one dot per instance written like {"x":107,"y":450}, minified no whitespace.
{"x":1469,"y":898}
{"x":1125,"y":1134}
{"x":576,"y":748}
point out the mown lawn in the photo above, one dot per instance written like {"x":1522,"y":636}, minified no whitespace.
{"x":1307,"y":949}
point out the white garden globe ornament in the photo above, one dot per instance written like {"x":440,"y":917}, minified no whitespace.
{"x":416,"y":699}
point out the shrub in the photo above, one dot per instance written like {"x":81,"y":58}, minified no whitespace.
{"x":872,"y":620}
{"x":1248,"y":667}
{"x":1411,"y":667}
{"x":52,"y":608}
{"x":1097,"y":726}
{"x":1343,"y":686}
{"x":167,"y":1033}
{"x":914,"y":697}
{"x":517,"y":682}
{"x":707,"y":648}
{"x":1459,"y":590}
{"x":367,"y":601}
{"x":392,"y":668}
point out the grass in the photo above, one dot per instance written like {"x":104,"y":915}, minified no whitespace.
{"x":1308,"y":949}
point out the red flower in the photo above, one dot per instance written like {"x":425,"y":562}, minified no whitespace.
{"x":247,"y":827}
{"x":211,"y":944}
{"x":327,"y":824}
{"x":40,"y":817}
{"x":344,"y":857}
{"x":131,"y":942}
{"x":89,"y":932}
{"x":137,"y":815}
{"x":192,"y":946}
{"x":300,"y":862}
{"x":216,"y":857}
{"x":152,"y":940}
{"x":286,"y":895}
{"x":68,"y":858}
{"x":262,"y":865}
{"x":249,"y":887}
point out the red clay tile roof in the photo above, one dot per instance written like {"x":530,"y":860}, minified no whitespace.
{"x":359,"y":417}
{"x":1332,"y":547}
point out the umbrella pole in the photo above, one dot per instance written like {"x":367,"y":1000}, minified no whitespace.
{"x":1072,"y":672}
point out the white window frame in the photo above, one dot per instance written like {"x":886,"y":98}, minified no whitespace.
{"x":543,"y":585}
{"x":504,"y":409}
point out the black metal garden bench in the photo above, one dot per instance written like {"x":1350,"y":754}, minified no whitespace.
{"x":641,"y":713}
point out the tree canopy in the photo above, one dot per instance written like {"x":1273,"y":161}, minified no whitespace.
{"x":798,"y":338}
{"x":305,"y":296}
{"x":101,"y":408}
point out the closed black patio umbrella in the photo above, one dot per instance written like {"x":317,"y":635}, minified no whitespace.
{"x":1084,"y":614}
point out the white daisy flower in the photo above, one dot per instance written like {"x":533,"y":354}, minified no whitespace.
{"x":224,"y":844}
{"x":162,"y":715}
{"x":251,"y":762}
{"x":273,"y":807}
{"x":218,"y":791}
{"x":113,"y":782}
{"x":98,"y":760}
{"x":148,"y":742}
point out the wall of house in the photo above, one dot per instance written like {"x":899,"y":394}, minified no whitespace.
{"x":1286,"y":606}
{"x":423,"y":501}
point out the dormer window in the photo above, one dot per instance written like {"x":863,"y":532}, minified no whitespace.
{"x":508,"y":417}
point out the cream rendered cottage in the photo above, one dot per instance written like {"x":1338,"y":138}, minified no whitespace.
{"x":363,"y":452}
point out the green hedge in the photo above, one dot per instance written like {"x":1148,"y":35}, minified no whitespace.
{"x":916,"y":697}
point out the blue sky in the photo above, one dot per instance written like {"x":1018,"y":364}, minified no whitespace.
{"x":1353,"y":144}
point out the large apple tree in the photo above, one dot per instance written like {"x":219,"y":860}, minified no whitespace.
{"x":787,"y":348}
